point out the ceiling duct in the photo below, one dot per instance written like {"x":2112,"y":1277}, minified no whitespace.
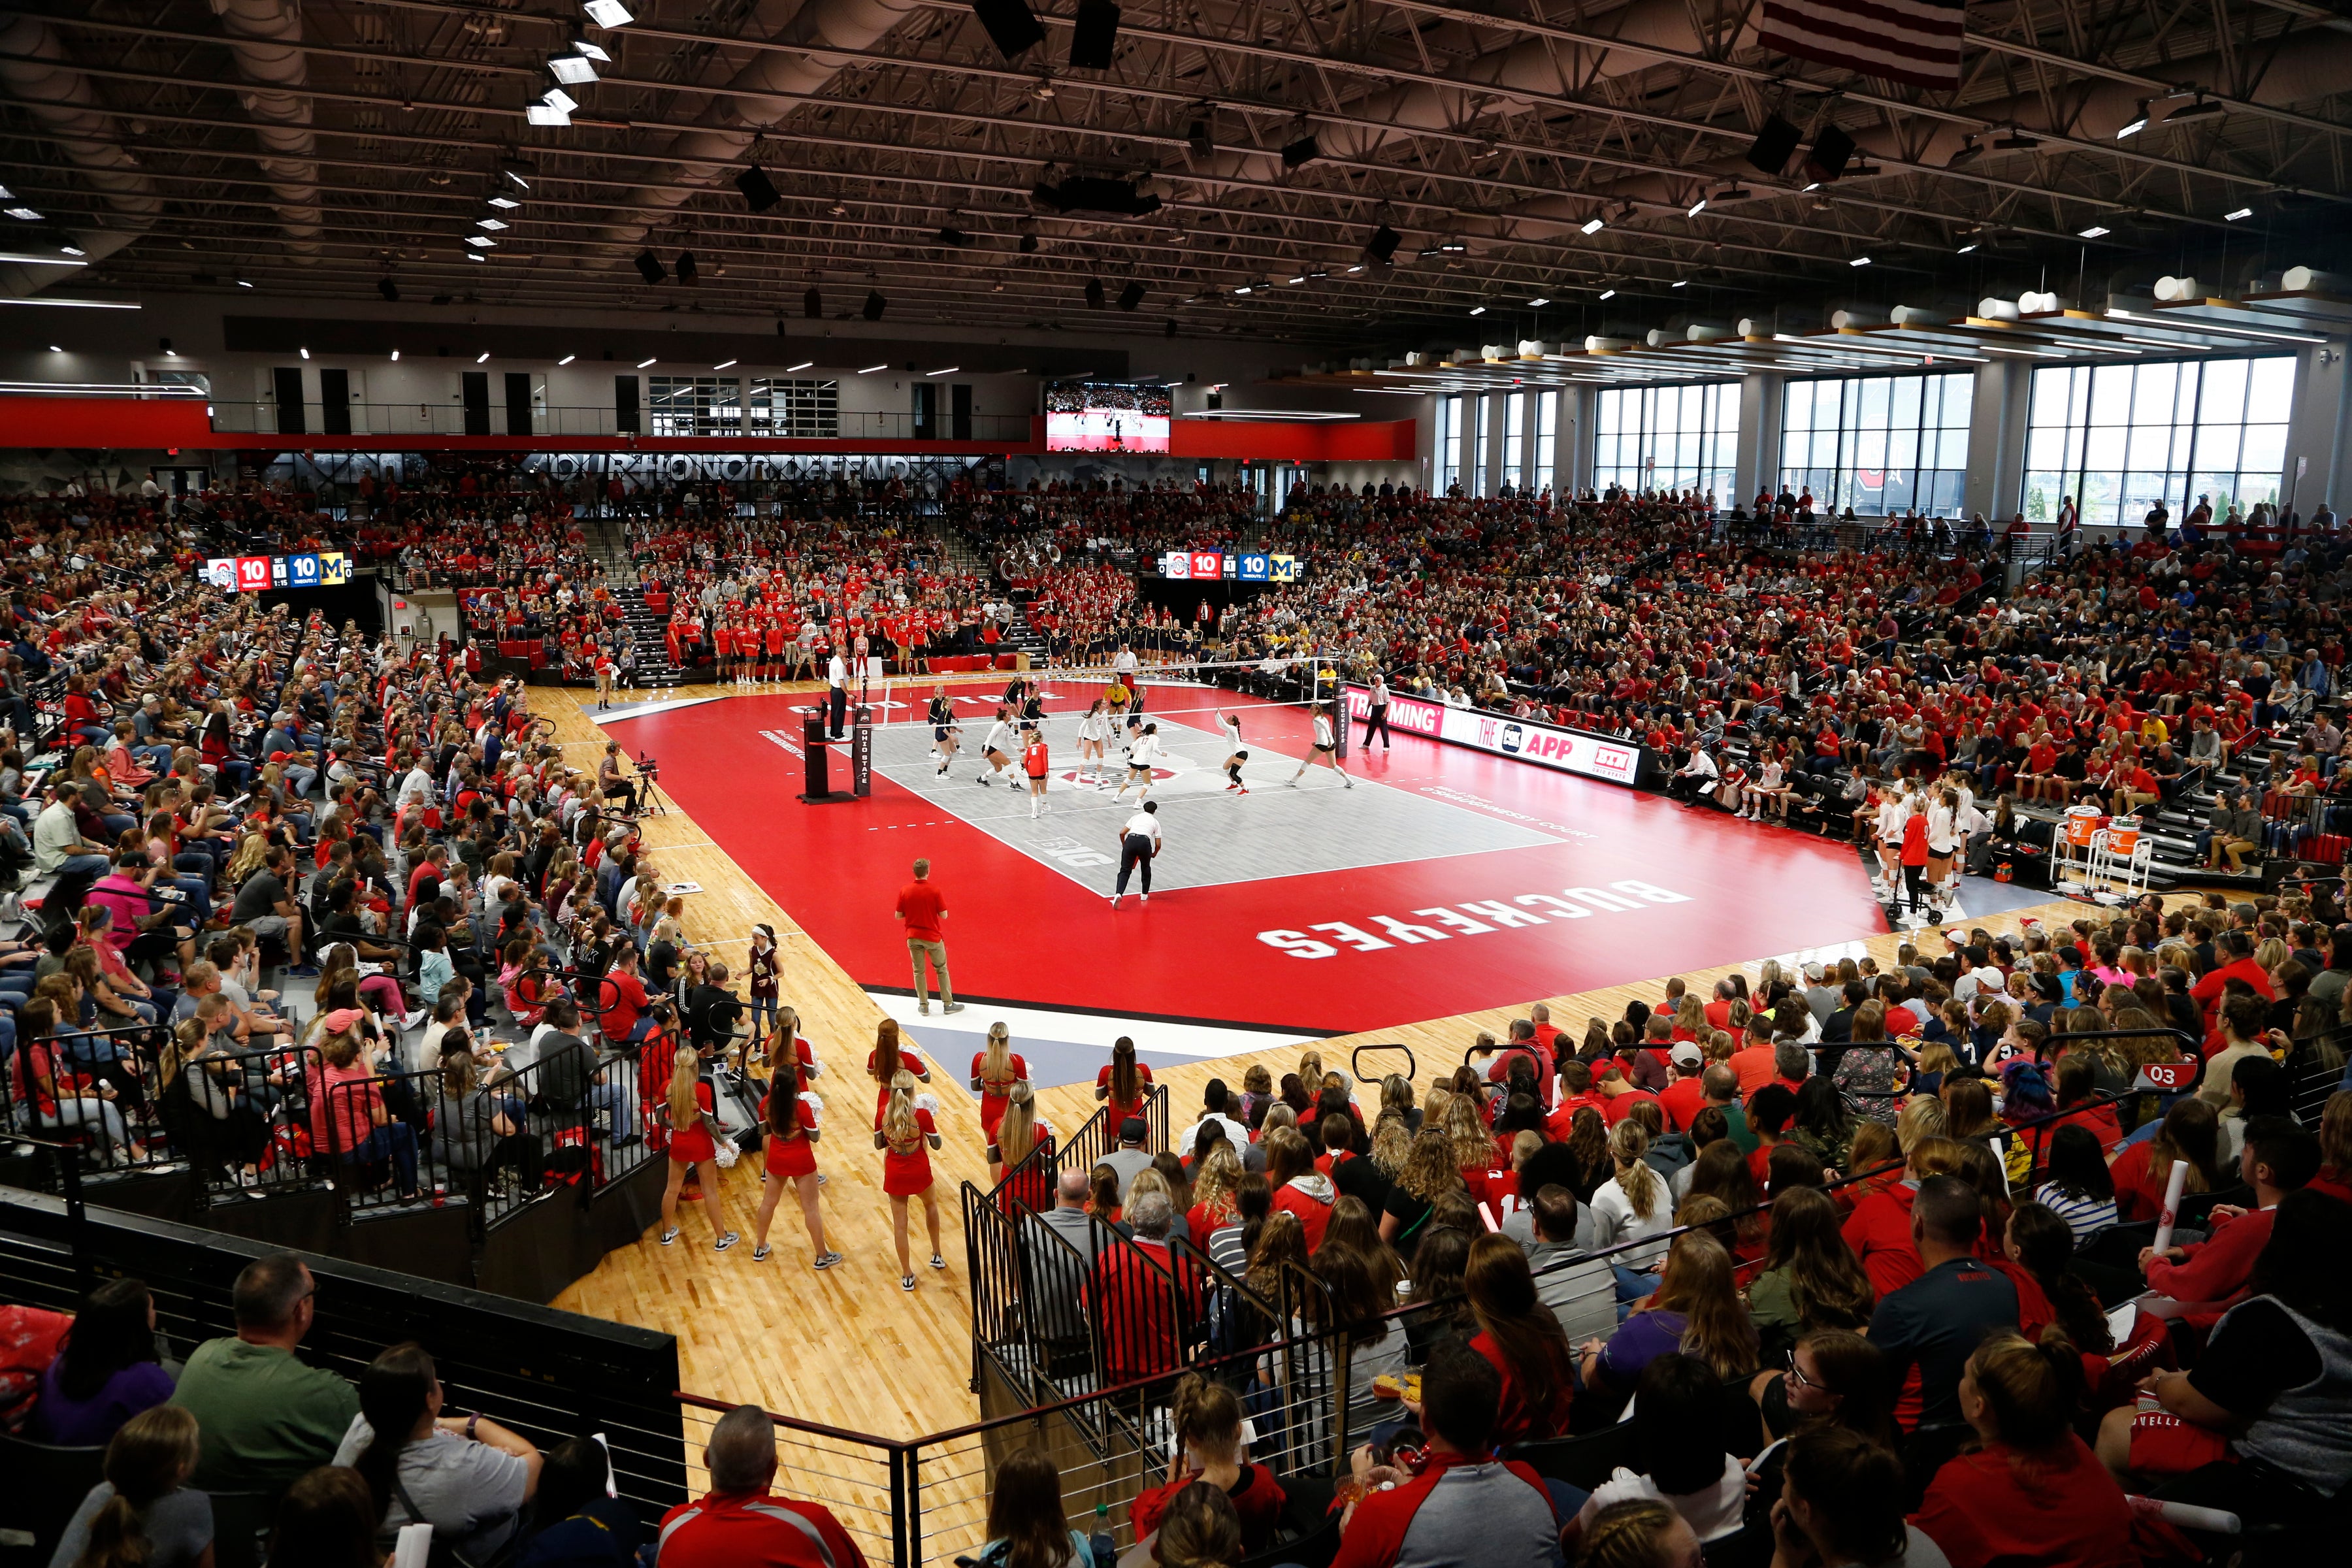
{"x":50,"y":89}
{"x":266,"y":37}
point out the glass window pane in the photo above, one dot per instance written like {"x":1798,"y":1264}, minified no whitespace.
{"x":2104,"y":448}
{"x":1959,"y":398}
{"x":2269,"y":391}
{"x":2148,"y":446}
{"x":2152,"y":393}
{"x":2222,"y":398}
{"x":2265,"y":448}
{"x":1906,"y":408}
{"x":2111,"y":394}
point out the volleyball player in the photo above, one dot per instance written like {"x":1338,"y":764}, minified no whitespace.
{"x":1326,"y":749}
{"x":997,"y":750}
{"x":1095,"y":731}
{"x":1138,"y":845}
{"x":945,"y":734}
{"x":1142,"y":752}
{"x":1035,"y":759}
{"x":1235,"y":755}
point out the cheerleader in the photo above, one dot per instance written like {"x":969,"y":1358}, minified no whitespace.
{"x":888,"y":1058}
{"x":1095,"y":731}
{"x":762,"y":965}
{"x":945,"y":734}
{"x":1235,"y":755}
{"x":1326,"y":751}
{"x":906,"y":1134}
{"x":1123,"y":1085}
{"x":1020,"y":1132}
{"x":789,"y":1154}
{"x":994,"y":1073}
{"x":690,"y":1144}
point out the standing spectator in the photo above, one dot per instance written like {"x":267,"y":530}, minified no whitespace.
{"x":143,"y":1514}
{"x":465,"y":1475}
{"x":265,"y":1418}
{"x":107,"y":1371}
{"x":920,"y":911}
{"x":740,"y":1522}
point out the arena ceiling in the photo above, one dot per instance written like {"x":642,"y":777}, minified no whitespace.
{"x":343,"y":149}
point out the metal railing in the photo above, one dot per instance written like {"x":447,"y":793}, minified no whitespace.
{"x":393,"y":421}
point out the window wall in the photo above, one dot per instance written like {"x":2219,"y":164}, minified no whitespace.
{"x":795,"y":409}
{"x":1515,"y":439}
{"x":1482,"y":453}
{"x":1445,"y":454}
{"x":696,"y":406}
{"x":2123,"y":439}
{"x":1667,"y":437}
{"x":1548,"y":440}
{"x":1879,"y":444}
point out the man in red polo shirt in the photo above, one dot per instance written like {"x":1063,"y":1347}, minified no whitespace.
{"x":922,"y":906}
{"x":625,"y":1019}
{"x":742,"y":1524}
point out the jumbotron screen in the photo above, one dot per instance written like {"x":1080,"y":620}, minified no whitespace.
{"x":1107,"y":417}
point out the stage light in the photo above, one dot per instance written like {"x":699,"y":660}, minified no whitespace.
{"x":1775,"y":140}
{"x":688,"y":273}
{"x":642,"y":363}
{"x":567,"y":359}
{"x":2241,"y":213}
{"x":724,"y":364}
{"x":608,"y":13}
{"x":759,"y":192}
{"x":1303,"y":150}
{"x":1832,"y":150}
{"x":802,"y":365}
{"x":813,"y":305}
{"x":1383,"y":244}
{"x":2097,"y":231}
{"x":389,"y":290}
{"x":1011,"y":26}
{"x":649,"y":267}
{"x":572,"y":71}
{"x":1095,"y":35}
{"x":874,"y":304}
{"x":1594,"y":224}
{"x":483,"y":358}
{"x":1131,"y":297}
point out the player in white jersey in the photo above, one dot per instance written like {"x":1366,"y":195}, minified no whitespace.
{"x":1326,"y":749}
{"x":1095,"y":731}
{"x":1235,"y":754}
{"x":998,"y":749}
{"x":1142,"y":752}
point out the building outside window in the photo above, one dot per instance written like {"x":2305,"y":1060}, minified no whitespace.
{"x":1482,"y":454}
{"x":802,"y":409}
{"x":1445,"y":455}
{"x":1515,"y":425}
{"x":1667,"y":437}
{"x":1548,"y":440}
{"x":696,"y":406}
{"x":1880,"y":444}
{"x":2123,"y":439}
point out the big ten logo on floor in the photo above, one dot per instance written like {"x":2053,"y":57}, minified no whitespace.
{"x":1474,"y":919}
{"x":1070,"y":852}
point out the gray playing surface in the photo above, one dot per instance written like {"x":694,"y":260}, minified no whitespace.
{"x":1211,"y":837}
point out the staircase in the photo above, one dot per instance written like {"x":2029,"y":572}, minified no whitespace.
{"x":1019,"y":634}
{"x":608,"y":542}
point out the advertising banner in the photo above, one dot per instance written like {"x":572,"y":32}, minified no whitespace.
{"x":1569,"y":750}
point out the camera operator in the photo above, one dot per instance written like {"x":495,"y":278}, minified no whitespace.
{"x":610,"y":779}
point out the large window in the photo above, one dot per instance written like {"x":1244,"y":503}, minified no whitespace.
{"x":795,"y":409}
{"x":1445,"y":452}
{"x":1879,"y":444}
{"x":1481,"y":455}
{"x":2123,"y":439}
{"x":698,"y":405}
{"x":1667,"y":437}
{"x":1515,"y":439}
{"x":1548,"y":440}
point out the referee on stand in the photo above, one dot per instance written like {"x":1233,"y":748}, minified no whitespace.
{"x":1376,"y":714}
{"x":1138,"y":845}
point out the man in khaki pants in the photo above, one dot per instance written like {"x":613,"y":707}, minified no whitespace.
{"x":921,"y":908}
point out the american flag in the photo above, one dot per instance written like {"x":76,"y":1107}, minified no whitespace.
{"x":1917,"y":41}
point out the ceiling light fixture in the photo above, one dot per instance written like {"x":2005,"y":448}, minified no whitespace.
{"x":724,"y":364}
{"x":2097,"y":231}
{"x":608,"y":13}
{"x":306,"y":354}
{"x":25,"y":213}
{"x":76,"y":304}
{"x":1680,"y":283}
{"x":1477,"y":309}
{"x":950,"y":370}
{"x":2135,"y":124}
{"x":546,"y":114}
{"x":562,"y":102}
{"x":243,"y":284}
{"x":572,"y":71}
{"x":1968,"y":247}
{"x":482,"y":358}
{"x":1859,"y":261}
{"x":567,"y":359}
{"x":1242,"y":290}
{"x":73,"y":251}
{"x":642,"y":363}
{"x":1358,"y":267}
{"x":591,"y":51}
{"x":1594,"y":226}
{"x":55,"y":350}
{"x":507,"y":202}
{"x":395,"y":356}
{"x":1696,"y":207}
{"x":1539,"y":302}
{"x":1609,"y":294}
{"x":1809,"y":190}
{"x":802,"y":365}
{"x":482,"y":240}
{"x":2241,"y":213}
{"x":488,"y":223}
{"x":870,"y":369}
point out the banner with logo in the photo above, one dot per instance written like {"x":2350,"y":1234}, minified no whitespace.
{"x":1569,"y":750}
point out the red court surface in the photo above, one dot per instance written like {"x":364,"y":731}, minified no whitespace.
{"x":1597,"y":885}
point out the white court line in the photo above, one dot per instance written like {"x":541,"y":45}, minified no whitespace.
{"x":1197,"y":1041}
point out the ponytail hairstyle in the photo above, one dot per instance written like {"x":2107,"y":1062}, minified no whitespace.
{"x":1016,"y":1133}
{"x":1124,"y":1080}
{"x":1628,"y":1142}
{"x":1629,"y":1534}
{"x":898,"y":1124}
{"x":146,"y":1460}
{"x":1200,"y":1530}
{"x":785,"y":1095}
{"x":684,"y":1109}
{"x":396,"y":1392}
{"x":2043,"y":1244}
{"x":996,"y":1067}
{"x":2033,"y":1391}
{"x":1208,"y":1419}
{"x":886,"y":1050}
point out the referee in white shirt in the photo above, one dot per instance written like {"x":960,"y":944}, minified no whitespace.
{"x":836,"y":675}
{"x":1139,"y":843}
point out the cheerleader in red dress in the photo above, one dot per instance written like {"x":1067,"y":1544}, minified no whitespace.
{"x":885,"y":1060}
{"x":789,"y":1154}
{"x":1124,"y":1086}
{"x":690,"y":1144}
{"x":1019,"y":1132}
{"x":906,"y":1133}
{"x":994,"y":1072}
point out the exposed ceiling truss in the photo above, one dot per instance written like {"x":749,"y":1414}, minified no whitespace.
{"x":327,"y":149}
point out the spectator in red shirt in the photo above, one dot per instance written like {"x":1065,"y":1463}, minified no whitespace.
{"x":1207,"y":1420}
{"x":1754,"y":1061}
{"x":1681,"y":1098}
{"x":626,"y":1020}
{"x":2279,"y":1158}
{"x":920,"y":910}
{"x":740,"y":1522}
{"x":2240,"y":947}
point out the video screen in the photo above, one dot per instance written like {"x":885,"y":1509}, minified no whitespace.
{"x":1107,"y":417}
